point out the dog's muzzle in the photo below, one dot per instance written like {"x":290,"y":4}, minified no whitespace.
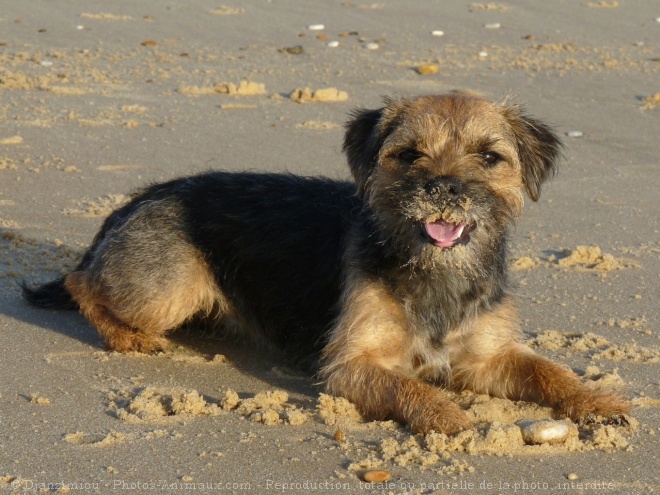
{"x":446,"y":233}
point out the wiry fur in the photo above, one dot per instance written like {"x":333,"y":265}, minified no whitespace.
{"x":351,"y":274}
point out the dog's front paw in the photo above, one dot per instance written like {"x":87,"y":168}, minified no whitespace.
{"x":442,"y":417}
{"x":588,"y":406}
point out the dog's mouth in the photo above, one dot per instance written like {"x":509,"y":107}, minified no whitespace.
{"x":447,"y":234}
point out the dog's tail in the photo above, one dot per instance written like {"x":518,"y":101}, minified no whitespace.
{"x":52,"y":295}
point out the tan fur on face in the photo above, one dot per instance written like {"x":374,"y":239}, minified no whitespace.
{"x":451,"y":133}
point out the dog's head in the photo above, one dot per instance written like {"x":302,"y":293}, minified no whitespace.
{"x":444,"y":175}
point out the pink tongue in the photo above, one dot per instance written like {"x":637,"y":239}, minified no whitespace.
{"x":444,"y":234}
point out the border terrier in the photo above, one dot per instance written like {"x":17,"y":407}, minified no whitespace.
{"x":395,"y":285}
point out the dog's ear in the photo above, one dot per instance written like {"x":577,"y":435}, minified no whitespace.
{"x":362,"y":143}
{"x":538,"y":148}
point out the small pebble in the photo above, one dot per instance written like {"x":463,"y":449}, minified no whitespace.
{"x":371,"y":46}
{"x":340,"y":436}
{"x":574,"y":134}
{"x":437,"y":33}
{"x":80,"y":27}
{"x":149,"y":43}
{"x":657,"y":19}
{"x":333,"y":44}
{"x":572,"y":476}
{"x":483,"y":54}
{"x":293,"y":50}
{"x":426,"y":69}
{"x":46,"y":63}
{"x":322,"y":36}
{"x":539,"y":432}
{"x":493,"y":25}
{"x":376,"y":476}
{"x":316,"y":27}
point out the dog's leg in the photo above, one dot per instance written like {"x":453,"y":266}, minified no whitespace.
{"x":489,"y":359}
{"x":368,"y":361}
{"x":381,"y":393}
{"x":116,"y":334}
{"x":144,"y":278}
{"x":133,"y":310}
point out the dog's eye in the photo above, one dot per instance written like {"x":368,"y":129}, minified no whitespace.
{"x":490,"y":158}
{"x":409,"y":155}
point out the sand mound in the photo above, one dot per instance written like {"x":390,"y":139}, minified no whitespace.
{"x":227,"y":10}
{"x":8,"y":164}
{"x":332,"y":410}
{"x":592,"y":258}
{"x":269,"y":407}
{"x":595,"y":346}
{"x":651,"y":101}
{"x":306,"y":95}
{"x":155,"y":404}
{"x":243,"y":88}
{"x":582,"y":258}
{"x":523,"y":263}
{"x":80,"y":438}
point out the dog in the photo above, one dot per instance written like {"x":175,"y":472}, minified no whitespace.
{"x":394,"y":287}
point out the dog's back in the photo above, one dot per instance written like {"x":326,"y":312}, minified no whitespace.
{"x":275,"y":244}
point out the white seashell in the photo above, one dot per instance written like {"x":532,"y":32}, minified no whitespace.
{"x":574,"y":134}
{"x":316,"y":27}
{"x":333,"y":44}
{"x":548,"y":431}
{"x":493,"y":25}
{"x":371,"y":46}
{"x":437,"y":33}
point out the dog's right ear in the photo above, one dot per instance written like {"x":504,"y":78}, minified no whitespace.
{"x":362,"y":143}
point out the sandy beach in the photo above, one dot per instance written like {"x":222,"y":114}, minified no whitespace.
{"x":98,"y":98}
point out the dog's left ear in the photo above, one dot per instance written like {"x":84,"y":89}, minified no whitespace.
{"x":538,"y":148}
{"x":361,"y":144}
{"x":366,"y":131}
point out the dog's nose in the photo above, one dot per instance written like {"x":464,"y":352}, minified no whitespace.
{"x":444,"y":185}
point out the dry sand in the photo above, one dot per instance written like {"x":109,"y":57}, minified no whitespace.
{"x":98,"y":98}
